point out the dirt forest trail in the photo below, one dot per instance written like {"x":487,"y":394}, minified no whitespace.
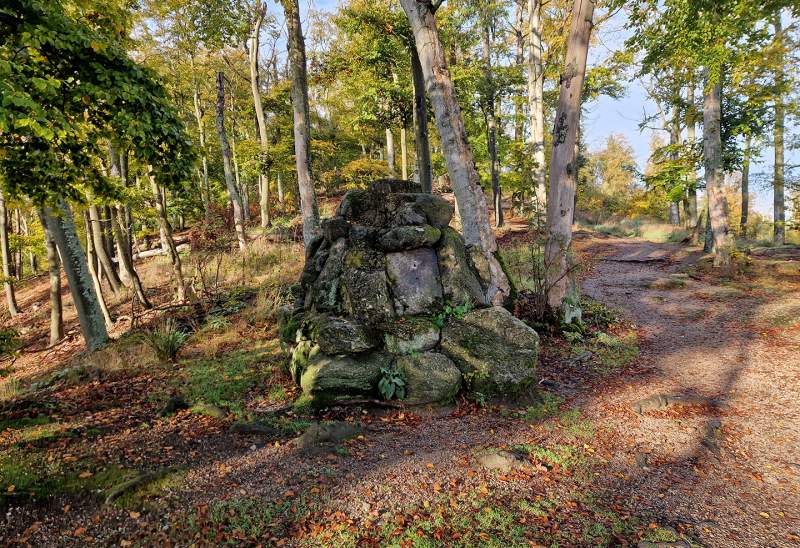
{"x":716,"y":440}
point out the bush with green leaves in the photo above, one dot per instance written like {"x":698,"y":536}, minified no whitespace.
{"x":9,"y":341}
{"x":392,"y":384}
{"x":167,"y":340}
{"x":450,"y":311}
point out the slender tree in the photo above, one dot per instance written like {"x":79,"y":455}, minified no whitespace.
{"x":563,"y":167}
{"x":778,"y":179}
{"x":302,"y":123}
{"x":8,"y":281}
{"x":227,"y":162}
{"x":54,"y":272}
{"x":712,"y":153}
{"x":536,"y":101}
{"x":458,"y":155}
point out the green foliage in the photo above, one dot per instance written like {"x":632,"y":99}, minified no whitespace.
{"x":392,"y":384}
{"x":362,"y":171}
{"x":9,"y":341}
{"x":450,"y":311}
{"x":167,"y":340}
{"x":548,"y":406}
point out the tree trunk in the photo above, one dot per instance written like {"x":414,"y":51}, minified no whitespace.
{"x":205,"y":193}
{"x":712,"y":152}
{"x":279,"y":184}
{"x":708,"y":244}
{"x":491,"y":125}
{"x":54,"y":270}
{"x":168,"y":241}
{"x":263,"y":137}
{"x":19,"y":264}
{"x":421,"y":140}
{"x":460,"y":163}
{"x":31,"y":253}
{"x":390,"y":152}
{"x":690,"y":138}
{"x":8,"y":282}
{"x":519,"y":59}
{"x":84,"y":295}
{"x":563,"y":165}
{"x":302,"y":123}
{"x":778,"y":191}
{"x":745,"y":183}
{"x":244,"y":194}
{"x":233,"y":191}
{"x":91,"y":255}
{"x":403,"y":154}
{"x":100,"y":250}
{"x":536,"y":101}
{"x":674,"y":140}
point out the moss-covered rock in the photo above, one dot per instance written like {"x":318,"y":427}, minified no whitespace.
{"x":430,"y":378}
{"x":304,"y":351}
{"x":496,"y":352}
{"x":323,"y":294}
{"x":408,"y":237}
{"x":340,"y":335}
{"x":366,"y":296}
{"x":459,"y":282}
{"x":330,"y":378}
{"x":411,"y":334}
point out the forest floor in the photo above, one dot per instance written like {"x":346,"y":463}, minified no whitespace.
{"x":674,"y":420}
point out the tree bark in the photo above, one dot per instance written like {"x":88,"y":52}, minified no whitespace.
{"x":8,"y":282}
{"x":563,"y":165}
{"x":84,"y":296}
{"x":674,"y":140}
{"x":263,"y":137}
{"x":91,"y":255}
{"x":519,"y":59}
{"x":746,"y":183}
{"x":778,"y":184}
{"x":168,"y":242}
{"x":491,"y":125}
{"x":712,"y":152}
{"x":54,"y":271}
{"x":390,"y":152}
{"x":233,"y":191}
{"x":691,"y":137}
{"x":460,"y":162}
{"x":536,"y":102}
{"x":100,"y":250}
{"x":403,"y":154}
{"x":302,"y":123}
{"x":205,"y":193}
{"x":118,"y":225}
{"x":421,"y":139}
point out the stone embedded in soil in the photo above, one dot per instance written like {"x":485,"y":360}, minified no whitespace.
{"x":320,"y":437}
{"x":496,"y":352}
{"x":459,"y":282}
{"x":411,"y":334}
{"x":498,"y":460}
{"x":414,"y":278}
{"x":430,"y":378}
{"x":173,"y":405}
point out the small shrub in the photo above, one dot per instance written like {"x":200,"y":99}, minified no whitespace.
{"x":167,"y":341}
{"x":9,"y":341}
{"x":392,"y":384}
{"x":450,"y":311}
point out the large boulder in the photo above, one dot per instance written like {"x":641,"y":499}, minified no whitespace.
{"x":327,"y":379}
{"x":414,"y":279}
{"x":340,"y":335}
{"x":324,"y":293}
{"x":459,"y":281}
{"x":402,"y":238}
{"x":364,"y":286}
{"x":496,"y":352}
{"x":411,"y":334}
{"x":430,"y":378}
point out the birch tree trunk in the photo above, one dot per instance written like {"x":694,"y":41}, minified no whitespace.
{"x":91,"y":255}
{"x":519,"y":59}
{"x":166,"y":233}
{"x":712,"y":152}
{"x":674,"y":140}
{"x":536,"y":101}
{"x":403,"y":154}
{"x":491,"y":125}
{"x":421,"y":139}
{"x":778,"y":185}
{"x":8,"y":283}
{"x":390,"y":152}
{"x":263,"y":137}
{"x":302,"y":123}
{"x":746,"y":183}
{"x":84,"y":296}
{"x":471,"y":200}
{"x":233,"y":191}
{"x":563,"y":165}
{"x":54,"y":271}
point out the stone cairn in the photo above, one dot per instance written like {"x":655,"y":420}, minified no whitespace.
{"x":389,"y":287}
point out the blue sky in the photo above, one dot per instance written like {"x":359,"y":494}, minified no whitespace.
{"x":606,"y":116}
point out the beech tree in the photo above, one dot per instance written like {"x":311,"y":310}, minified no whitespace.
{"x":455,"y":147}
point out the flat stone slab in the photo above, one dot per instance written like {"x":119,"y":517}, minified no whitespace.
{"x":414,"y":279}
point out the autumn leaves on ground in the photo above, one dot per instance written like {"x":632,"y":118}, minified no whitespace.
{"x":672,"y":417}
